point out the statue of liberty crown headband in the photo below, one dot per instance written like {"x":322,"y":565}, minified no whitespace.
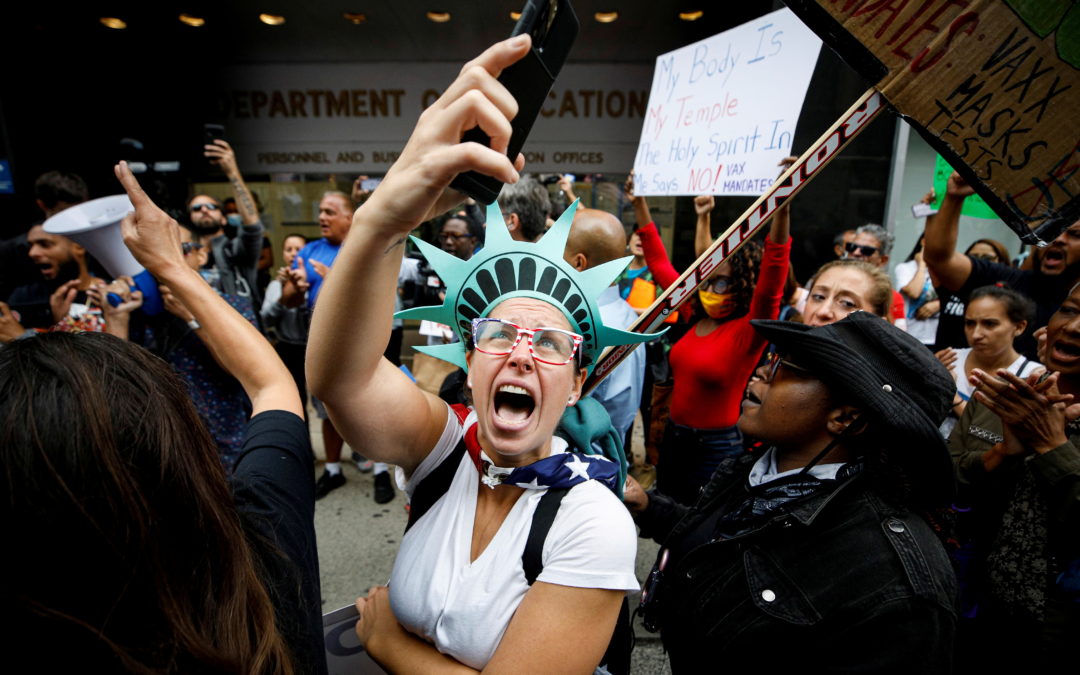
{"x":505,"y":268}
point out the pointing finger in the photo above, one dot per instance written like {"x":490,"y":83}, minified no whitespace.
{"x":131,"y":185}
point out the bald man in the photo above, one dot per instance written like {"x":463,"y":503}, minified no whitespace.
{"x":597,"y":237}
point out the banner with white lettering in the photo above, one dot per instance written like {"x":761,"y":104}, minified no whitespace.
{"x":356,"y":117}
{"x":722,"y":112}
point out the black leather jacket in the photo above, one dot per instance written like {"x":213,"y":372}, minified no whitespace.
{"x":839,"y":582}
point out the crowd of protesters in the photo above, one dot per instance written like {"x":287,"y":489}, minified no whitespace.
{"x":875,"y":474}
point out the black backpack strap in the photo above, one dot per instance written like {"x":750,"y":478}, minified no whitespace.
{"x":434,"y":485}
{"x":532,"y":557}
{"x":617,"y":657}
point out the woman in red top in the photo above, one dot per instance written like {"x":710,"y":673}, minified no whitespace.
{"x":712,"y":363}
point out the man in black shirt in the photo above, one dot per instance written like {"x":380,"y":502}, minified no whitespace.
{"x":1058,"y":268}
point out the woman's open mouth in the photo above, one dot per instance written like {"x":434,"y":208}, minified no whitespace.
{"x":513,"y":404}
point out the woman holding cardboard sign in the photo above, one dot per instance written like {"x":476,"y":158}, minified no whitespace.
{"x":712,"y":362}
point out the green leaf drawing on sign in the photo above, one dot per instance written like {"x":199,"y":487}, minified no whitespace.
{"x":1061,"y":17}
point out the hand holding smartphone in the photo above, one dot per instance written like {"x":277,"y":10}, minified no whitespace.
{"x":553,"y":27}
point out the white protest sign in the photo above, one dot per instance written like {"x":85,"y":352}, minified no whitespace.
{"x":722,"y":112}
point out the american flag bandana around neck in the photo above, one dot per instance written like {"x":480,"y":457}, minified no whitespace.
{"x":565,"y":469}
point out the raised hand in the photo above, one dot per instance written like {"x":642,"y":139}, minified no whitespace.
{"x":117,"y":318}
{"x":703,"y":204}
{"x":10,"y":328}
{"x":415,"y":188}
{"x":928,"y":309}
{"x":221,"y":153}
{"x":958,"y":187}
{"x":1034,"y":411}
{"x":359,"y":194}
{"x":567,"y":187}
{"x":151,"y":235}
{"x":947,"y":357}
{"x":62,"y":298}
{"x":297,"y":276}
{"x":173,"y":304}
{"x":320,"y":269}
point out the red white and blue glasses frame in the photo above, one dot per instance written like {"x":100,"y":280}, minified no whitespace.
{"x":481,"y":327}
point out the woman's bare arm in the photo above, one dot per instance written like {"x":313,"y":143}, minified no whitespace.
{"x":377,"y":409}
{"x":154,"y":239}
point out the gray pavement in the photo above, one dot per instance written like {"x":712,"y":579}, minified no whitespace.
{"x":358,"y":540}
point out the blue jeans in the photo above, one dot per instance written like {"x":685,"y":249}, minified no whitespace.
{"x":689,"y":457}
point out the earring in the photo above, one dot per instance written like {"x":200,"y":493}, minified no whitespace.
{"x":570,"y":401}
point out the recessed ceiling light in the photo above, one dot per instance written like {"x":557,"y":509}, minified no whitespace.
{"x":691,"y":16}
{"x":606,"y":17}
{"x":272,"y":19}
{"x":113,"y":22}
{"x":194,"y":21}
{"x":439,"y":17}
{"x":354,"y":17}
{"x":515,"y":15}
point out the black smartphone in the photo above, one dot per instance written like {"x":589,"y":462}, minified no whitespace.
{"x":553,"y":27}
{"x":213,"y":132}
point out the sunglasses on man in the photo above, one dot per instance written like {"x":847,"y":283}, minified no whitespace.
{"x":206,"y":205}
{"x":863,"y":249}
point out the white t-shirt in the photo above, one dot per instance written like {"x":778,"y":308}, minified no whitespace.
{"x":464,"y":607}
{"x":924,"y":330}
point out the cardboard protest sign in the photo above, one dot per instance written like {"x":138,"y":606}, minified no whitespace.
{"x":722,"y":112}
{"x":992,"y":85}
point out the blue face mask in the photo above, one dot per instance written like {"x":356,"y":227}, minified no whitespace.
{"x":234,"y":219}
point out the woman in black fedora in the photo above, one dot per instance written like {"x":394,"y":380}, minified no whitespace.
{"x":815,"y":546}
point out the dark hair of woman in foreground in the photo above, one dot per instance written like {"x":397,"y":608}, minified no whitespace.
{"x":113,"y":480}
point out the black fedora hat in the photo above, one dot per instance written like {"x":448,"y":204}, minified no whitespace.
{"x":891,"y":376}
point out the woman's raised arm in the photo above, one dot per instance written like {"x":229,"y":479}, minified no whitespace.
{"x":352,"y":320}
{"x":154,"y":239}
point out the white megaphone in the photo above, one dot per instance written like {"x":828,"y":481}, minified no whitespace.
{"x":95,"y":225}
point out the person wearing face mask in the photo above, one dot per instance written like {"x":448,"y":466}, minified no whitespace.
{"x":712,"y":362}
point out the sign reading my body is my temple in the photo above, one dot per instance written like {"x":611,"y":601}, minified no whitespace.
{"x":722,"y":112}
